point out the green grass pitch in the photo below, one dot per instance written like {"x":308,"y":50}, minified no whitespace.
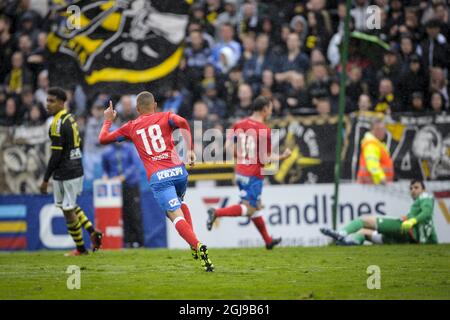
{"x":407,"y":272}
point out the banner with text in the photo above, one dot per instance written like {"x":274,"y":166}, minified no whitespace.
{"x":297,"y":212}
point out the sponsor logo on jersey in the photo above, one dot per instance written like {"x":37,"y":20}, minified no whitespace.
{"x":161,"y":156}
{"x":169,"y":173}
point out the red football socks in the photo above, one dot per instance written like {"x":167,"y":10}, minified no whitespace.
{"x":187,"y":214}
{"x":186,"y":232}
{"x":231,"y":211}
{"x":261,"y":226}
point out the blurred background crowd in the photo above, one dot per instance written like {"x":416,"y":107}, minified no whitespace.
{"x":236,"y":50}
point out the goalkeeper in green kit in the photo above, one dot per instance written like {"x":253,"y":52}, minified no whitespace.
{"x":416,"y":227}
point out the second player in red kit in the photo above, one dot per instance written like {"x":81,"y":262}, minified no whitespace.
{"x":251,"y":142}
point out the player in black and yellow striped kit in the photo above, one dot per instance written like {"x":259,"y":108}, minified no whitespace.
{"x":66,"y":167}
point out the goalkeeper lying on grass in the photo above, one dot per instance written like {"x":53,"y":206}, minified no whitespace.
{"x":416,"y":227}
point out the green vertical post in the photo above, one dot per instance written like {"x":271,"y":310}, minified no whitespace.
{"x":343,"y":80}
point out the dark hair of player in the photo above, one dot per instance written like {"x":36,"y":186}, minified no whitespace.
{"x":58,"y":92}
{"x":413,"y":181}
{"x":259,"y":103}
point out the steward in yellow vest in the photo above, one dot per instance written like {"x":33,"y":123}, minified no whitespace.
{"x":375,"y":163}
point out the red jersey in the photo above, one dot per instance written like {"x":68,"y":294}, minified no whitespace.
{"x":152,"y":137}
{"x":253,"y":139}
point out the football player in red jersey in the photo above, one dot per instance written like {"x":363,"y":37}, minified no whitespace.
{"x":251,"y":143}
{"x":151,"y":134}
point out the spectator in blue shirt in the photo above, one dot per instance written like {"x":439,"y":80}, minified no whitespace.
{"x":293,"y":61}
{"x":120,"y":161}
{"x":260,"y":61}
{"x":227,"y":40}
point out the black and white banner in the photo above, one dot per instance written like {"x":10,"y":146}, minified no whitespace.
{"x":117,"y":46}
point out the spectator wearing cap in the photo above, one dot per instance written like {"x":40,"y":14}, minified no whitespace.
{"x":417,"y":102}
{"x":411,"y":80}
{"x":28,"y":26}
{"x":299,"y":25}
{"x":391,"y":66}
{"x":434,"y":49}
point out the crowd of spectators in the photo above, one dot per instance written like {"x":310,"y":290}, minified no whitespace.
{"x":236,"y":50}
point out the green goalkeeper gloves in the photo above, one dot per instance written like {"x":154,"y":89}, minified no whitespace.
{"x":408,"y":224}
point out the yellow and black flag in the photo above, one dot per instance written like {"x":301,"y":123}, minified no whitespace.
{"x":116,"y":46}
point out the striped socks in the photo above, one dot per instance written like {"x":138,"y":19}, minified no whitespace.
{"x":76,"y":232}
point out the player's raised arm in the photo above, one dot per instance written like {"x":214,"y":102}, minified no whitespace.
{"x":107,"y":137}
